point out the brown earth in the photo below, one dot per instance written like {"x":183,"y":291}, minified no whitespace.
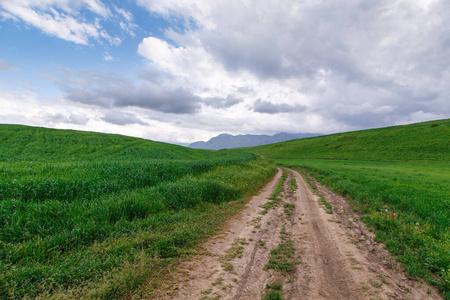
{"x":334,"y":256}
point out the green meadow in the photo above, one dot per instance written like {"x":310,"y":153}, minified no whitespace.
{"x":402,"y":171}
{"x":428,"y":141}
{"x":106,"y":216}
{"x":103,"y":216}
{"x":416,"y":193}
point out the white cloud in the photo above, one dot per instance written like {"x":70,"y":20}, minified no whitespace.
{"x":340,"y":64}
{"x":60,"y":18}
{"x":27,"y":109}
{"x":198,"y":10}
{"x":128,"y":16}
{"x":252,"y":66}
{"x":107,"y":57}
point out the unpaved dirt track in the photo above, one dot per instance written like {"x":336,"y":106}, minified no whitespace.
{"x":335,"y":256}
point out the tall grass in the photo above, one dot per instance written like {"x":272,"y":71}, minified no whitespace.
{"x":41,"y":181}
{"x":98,"y":216}
{"x":54,"y":245}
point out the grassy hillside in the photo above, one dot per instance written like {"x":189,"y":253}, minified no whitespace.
{"x":428,"y":141}
{"x":400,"y":171}
{"x":26,"y":143}
{"x":90,"y":215}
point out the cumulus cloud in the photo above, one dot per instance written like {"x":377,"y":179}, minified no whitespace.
{"x":109,"y":90}
{"x":113,"y":90}
{"x":191,"y":64}
{"x":258,"y":66}
{"x":25,"y":108}
{"x":359,"y":64}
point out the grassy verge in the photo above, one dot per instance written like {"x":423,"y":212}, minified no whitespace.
{"x":407,"y":203}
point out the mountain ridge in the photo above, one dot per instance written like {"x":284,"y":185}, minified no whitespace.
{"x":228,"y":141}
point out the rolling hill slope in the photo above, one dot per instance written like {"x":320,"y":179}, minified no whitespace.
{"x":428,"y":141}
{"x":18,"y":142}
{"x":397,"y":178}
{"x":88,"y":215}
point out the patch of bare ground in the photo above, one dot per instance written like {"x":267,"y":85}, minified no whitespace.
{"x":296,"y":250}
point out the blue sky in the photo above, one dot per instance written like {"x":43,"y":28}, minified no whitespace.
{"x":181,"y":71}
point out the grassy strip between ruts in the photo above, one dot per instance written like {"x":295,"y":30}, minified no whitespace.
{"x":274,"y":291}
{"x":121,"y":244}
{"x":275,"y":195}
{"x":408,"y":205}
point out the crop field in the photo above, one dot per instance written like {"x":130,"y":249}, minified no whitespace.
{"x":407,"y":204}
{"x":112,"y":222}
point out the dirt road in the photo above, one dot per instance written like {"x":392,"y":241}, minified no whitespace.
{"x":292,"y":248}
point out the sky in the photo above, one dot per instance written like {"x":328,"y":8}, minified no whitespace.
{"x":180,"y":71}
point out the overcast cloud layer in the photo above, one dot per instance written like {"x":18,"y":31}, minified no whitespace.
{"x":239,"y":67}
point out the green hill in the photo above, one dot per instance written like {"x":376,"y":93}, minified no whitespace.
{"x":400,"y":171}
{"x":428,"y":141}
{"x":19,"y":142}
{"x":88,"y":215}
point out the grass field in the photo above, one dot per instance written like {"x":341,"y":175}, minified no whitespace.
{"x":428,"y":141}
{"x":104,"y":216}
{"x":417,"y":194}
{"x":100,"y":216}
{"x":402,"y":171}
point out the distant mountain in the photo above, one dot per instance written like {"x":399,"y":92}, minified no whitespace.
{"x":226,"y":141}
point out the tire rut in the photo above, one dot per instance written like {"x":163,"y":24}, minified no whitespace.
{"x":333,"y":255}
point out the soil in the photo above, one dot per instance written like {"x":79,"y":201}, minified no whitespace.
{"x":334,"y":256}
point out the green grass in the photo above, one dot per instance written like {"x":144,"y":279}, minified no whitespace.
{"x":293,"y":185}
{"x":401,"y":171}
{"x":288,"y":208}
{"x":416,"y":193}
{"x":25,"y":143}
{"x":236,"y":250}
{"x":281,"y":257}
{"x":428,"y":141}
{"x":105,"y":216}
{"x":275,"y":195}
{"x":274,"y":291}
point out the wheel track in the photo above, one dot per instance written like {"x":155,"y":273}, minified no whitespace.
{"x":333,"y":265}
